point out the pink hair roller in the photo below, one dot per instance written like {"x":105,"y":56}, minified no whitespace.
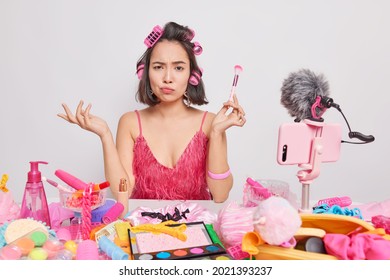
{"x":153,"y":37}
{"x":197,"y":49}
{"x":195,"y":77}
{"x":140,"y":70}
{"x":343,"y":201}
{"x":114,"y":213}
{"x":192,"y":35}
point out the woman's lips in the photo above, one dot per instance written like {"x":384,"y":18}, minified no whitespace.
{"x":167,"y":90}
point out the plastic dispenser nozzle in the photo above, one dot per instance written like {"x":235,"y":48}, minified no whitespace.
{"x":34,"y":176}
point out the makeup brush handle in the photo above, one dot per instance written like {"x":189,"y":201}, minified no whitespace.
{"x":58,"y":186}
{"x":232,"y":93}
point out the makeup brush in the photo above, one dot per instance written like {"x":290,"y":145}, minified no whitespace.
{"x":58,"y":186}
{"x":237,"y":71}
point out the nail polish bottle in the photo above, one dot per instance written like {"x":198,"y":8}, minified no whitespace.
{"x":123,"y":196}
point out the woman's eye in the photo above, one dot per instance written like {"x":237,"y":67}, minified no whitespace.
{"x":180,"y":68}
{"x":157,"y":67}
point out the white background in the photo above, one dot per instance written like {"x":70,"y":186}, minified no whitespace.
{"x":272,"y":269}
{"x":64,"y":51}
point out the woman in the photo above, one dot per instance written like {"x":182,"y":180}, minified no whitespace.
{"x":169,"y":150}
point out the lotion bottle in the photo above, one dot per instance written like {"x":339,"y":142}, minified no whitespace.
{"x":34,"y":203}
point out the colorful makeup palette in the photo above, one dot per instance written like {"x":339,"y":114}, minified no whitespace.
{"x":198,"y":245}
{"x":209,"y":252}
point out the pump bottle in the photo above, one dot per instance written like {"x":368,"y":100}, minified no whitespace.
{"x":34,"y":203}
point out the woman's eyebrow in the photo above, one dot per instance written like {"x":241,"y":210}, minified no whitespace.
{"x":175,"y":62}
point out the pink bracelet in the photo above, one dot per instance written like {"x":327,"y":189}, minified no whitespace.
{"x":219,"y":176}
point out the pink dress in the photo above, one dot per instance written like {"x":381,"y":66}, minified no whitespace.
{"x":185,"y":181}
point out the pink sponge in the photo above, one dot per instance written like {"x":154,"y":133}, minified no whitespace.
{"x":233,"y":222}
{"x":276,"y":221}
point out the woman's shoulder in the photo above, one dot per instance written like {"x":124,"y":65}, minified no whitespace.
{"x":128,"y":117}
{"x":209,"y":117}
{"x":208,"y":120}
{"x":129,"y":122}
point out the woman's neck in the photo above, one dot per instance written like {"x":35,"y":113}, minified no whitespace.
{"x":170,"y":110}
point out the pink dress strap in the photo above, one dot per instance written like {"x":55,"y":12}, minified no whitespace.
{"x":139,"y":122}
{"x":204,"y":117}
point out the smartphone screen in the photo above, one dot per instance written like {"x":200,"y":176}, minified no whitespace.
{"x":295,"y":142}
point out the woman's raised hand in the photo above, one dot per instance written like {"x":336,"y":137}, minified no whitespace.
{"x":223,"y":120}
{"x":85,"y":120}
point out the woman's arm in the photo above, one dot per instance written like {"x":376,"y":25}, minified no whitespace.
{"x":113,"y":167}
{"x":219,"y":178}
{"x":125,"y":144}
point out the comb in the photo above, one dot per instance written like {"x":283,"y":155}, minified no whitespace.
{"x":108,"y":231}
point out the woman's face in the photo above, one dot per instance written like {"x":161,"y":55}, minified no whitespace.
{"x":169,"y":71}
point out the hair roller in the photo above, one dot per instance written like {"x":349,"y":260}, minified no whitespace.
{"x":191,"y":35}
{"x":140,"y":70}
{"x":195,"y":77}
{"x":153,"y":36}
{"x":197,"y":48}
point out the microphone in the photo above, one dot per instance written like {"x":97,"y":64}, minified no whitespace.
{"x":305,"y":95}
{"x":328,"y":102}
{"x":300,"y":91}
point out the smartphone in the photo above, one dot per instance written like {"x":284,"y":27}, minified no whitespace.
{"x":295,"y":142}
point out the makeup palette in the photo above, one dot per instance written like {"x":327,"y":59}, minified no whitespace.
{"x":198,"y":245}
{"x":208,"y":252}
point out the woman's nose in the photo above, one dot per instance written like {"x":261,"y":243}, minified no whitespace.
{"x":168,"y":76}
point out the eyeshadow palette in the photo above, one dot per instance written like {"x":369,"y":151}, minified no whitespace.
{"x":198,"y":245}
{"x":210,"y":252}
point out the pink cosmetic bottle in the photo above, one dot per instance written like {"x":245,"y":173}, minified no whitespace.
{"x":34,"y":203}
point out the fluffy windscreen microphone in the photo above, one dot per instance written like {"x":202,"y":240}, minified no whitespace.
{"x":299,"y":92}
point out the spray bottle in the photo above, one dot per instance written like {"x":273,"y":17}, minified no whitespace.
{"x":34,"y":204}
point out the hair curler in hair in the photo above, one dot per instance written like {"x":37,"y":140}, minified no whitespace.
{"x":197,"y":48}
{"x":153,"y":36}
{"x":195,"y":77}
{"x":192,"y":35}
{"x":140,"y":70}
